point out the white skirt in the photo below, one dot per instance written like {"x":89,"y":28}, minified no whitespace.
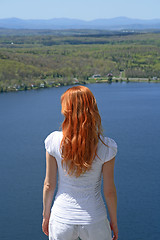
{"x":61,"y":231}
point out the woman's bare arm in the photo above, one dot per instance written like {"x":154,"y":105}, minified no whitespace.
{"x":48,"y":189}
{"x":110,"y":195}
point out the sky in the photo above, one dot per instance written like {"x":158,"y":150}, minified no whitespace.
{"x":79,"y":9}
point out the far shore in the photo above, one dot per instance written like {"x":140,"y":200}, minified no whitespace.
{"x":46,"y":84}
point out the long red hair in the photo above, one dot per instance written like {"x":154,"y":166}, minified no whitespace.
{"x":81,"y":129}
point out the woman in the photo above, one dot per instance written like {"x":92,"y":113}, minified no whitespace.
{"x":81,"y":155}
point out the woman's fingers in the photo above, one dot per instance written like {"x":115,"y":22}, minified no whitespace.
{"x":45,"y":227}
{"x":45,"y":230}
{"x":115,"y":237}
{"x":114,"y":228}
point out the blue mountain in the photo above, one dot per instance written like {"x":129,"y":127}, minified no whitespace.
{"x":118,"y":23}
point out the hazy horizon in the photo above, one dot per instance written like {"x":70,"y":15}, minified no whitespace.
{"x":79,"y":18}
{"x":82,"y":10}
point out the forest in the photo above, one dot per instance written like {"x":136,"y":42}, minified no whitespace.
{"x":47,"y":58}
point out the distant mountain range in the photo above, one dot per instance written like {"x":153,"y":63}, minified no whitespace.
{"x":118,"y":23}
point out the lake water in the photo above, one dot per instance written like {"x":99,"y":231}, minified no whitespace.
{"x":130,"y":115}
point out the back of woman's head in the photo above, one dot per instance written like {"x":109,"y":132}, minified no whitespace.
{"x":81,"y":129}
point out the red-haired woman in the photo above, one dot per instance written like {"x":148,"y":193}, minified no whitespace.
{"x":81,"y":155}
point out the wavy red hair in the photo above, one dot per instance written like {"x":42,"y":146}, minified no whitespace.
{"x":81,"y":129}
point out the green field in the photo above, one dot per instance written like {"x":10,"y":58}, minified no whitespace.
{"x":37,"y":58}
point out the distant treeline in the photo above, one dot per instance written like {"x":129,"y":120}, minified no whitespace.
{"x":63,"y":56}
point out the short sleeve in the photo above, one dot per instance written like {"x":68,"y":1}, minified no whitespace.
{"x":49,"y":143}
{"x":111,"y":149}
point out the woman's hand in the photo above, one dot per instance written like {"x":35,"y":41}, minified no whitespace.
{"x":114,"y":228}
{"x":45,"y":225}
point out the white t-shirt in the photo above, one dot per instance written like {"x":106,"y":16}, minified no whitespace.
{"x":78,"y":199}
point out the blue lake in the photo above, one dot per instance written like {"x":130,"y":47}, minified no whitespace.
{"x":130,"y":115}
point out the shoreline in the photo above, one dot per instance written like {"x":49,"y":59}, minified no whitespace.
{"x":90,"y":81}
